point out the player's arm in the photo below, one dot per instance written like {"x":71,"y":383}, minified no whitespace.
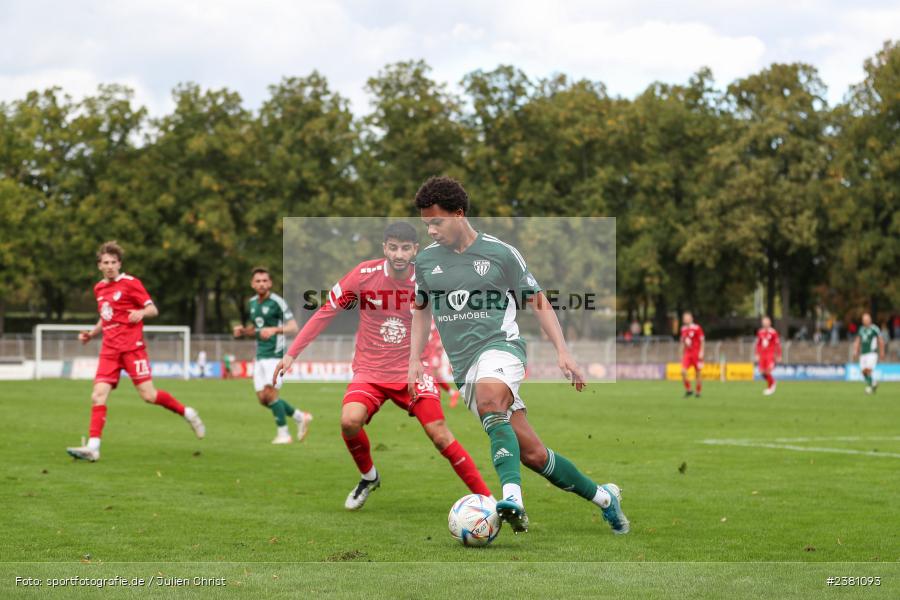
{"x":702,"y":346}
{"x":881,"y":346}
{"x":856,"y":348}
{"x":286,"y":329}
{"x":549,"y":323}
{"x":85,"y":336}
{"x":341,"y":296}
{"x":240,"y":331}
{"x":139,"y":293}
{"x":421,"y":329}
{"x":148,"y":312}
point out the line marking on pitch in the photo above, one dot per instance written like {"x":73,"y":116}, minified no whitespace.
{"x":788,"y":444}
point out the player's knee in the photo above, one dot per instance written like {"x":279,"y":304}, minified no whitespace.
{"x":98,"y":398}
{"x":148,"y":396}
{"x":491,"y":402}
{"x":534,"y":458}
{"x":350,"y":425}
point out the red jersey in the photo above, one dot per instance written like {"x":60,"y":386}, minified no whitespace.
{"x":114,"y":299}
{"x":691,"y":338}
{"x":385,"y":320}
{"x":768,"y":344}
{"x":433,"y":355}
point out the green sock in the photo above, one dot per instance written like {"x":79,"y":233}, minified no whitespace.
{"x":560,"y":471}
{"x":277,"y":409}
{"x":288,"y":409}
{"x":868,"y":379}
{"x":504,"y":447}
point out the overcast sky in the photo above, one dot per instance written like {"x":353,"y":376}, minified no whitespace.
{"x":246,"y":45}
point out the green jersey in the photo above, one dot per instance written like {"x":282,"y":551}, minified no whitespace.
{"x":271,"y":312}
{"x":868,"y":338}
{"x":473,"y":296}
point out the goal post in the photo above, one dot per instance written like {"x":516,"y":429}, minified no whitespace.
{"x":44,"y":328}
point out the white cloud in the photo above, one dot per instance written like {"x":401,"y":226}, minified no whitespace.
{"x":247,"y":46}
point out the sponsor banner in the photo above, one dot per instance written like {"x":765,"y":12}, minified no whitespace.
{"x":805,"y":372}
{"x":84,"y":368}
{"x":883,"y":372}
{"x":649,"y":371}
{"x":171,"y":369}
{"x":739,"y":371}
{"x":320,"y":370}
{"x":710,"y":371}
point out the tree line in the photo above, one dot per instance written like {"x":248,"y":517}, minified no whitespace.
{"x":716,"y":191}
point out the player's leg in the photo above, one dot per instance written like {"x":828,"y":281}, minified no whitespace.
{"x":148,"y":393}
{"x":427,"y":409}
{"x":91,"y":451}
{"x":684,"y":377}
{"x":360,"y":404}
{"x":563,"y":473}
{"x":698,"y":375}
{"x":268,"y":397}
{"x":280,"y":408}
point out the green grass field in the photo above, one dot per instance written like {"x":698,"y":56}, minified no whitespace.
{"x":708,"y":520}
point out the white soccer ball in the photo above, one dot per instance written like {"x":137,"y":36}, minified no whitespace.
{"x":473,"y":520}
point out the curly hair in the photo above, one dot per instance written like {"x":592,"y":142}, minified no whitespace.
{"x":444,"y":191}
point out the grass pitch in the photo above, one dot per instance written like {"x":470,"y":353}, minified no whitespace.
{"x":730,"y":495}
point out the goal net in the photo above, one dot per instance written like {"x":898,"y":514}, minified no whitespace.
{"x":59,"y":354}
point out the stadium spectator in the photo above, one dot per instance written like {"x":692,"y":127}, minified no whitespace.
{"x":648,"y":328}
{"x":635,"y":329}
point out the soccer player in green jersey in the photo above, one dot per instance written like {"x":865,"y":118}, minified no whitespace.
{"x":868,"y":346}
{"x":271,"y":319}
{"x":470,"y":282}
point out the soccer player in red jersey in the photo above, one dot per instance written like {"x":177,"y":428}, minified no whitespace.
{"x":692,"y":342}
{"x":123,"y":304}
{"x":768,"y":352}
{"x":433,"y":360}
{"x":384,"y":290}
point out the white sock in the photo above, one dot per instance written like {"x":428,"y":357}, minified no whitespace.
{"x":371,"y":474}
{"x":298,"y":415}
{"x":189,"y":413}
{"x":283,"y":431}
{"x":513,"y":491}
{"x":94,"y":443}
{"x":601,"y":498}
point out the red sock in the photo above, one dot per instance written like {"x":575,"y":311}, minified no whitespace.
{"x":167,"y":400}
{"x":98,"y":420}
{"x":465,"y":467}
{"x":770,"y":381}
{"x":687,"y":384}
{"x":359,"y":450}
{"x":699,"y":385}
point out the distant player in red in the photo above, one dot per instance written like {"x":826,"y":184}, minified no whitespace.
{"x":384,"y":290}
{"x":768,"y":353}
{"x":433,"y":360}
{"x":692,"y":343}
{"x":123,"y":304}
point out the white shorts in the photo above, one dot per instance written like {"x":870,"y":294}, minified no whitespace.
{"x":495,"y":364}
{"x":869,"y":360}
{"x":263,"y":371}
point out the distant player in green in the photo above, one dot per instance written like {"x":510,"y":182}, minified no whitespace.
{"x":270,"y":320}
{"x":470,"y":282}
{"x":868,"y":346}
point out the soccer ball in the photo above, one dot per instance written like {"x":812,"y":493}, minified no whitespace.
{"x":473,"y":520}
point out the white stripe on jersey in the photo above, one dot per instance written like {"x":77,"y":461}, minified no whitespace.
{"x":432,"y":245}
{"x":335,"y":294}
{"x":515,"y":252}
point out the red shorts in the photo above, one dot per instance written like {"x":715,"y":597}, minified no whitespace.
{"x":427,"y":407}
{"x":135,"y":362}
{"x":688,"y":361}
{"x":766,"y":363}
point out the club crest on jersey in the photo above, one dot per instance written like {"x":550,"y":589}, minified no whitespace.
{"x":393,"y":331}
{"x":259,"y":322}
{"x":265,"y":310}
{"x":106,"y":311}
{"x":116,"y":296}
{"x":457,"y":299}
{"x":481,"y":266}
